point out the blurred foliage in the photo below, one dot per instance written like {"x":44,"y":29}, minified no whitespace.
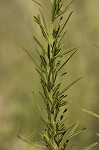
{"x":18,"y":110}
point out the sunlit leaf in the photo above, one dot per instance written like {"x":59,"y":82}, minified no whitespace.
{"x":90,"y":146}
{"x":91,"y":113}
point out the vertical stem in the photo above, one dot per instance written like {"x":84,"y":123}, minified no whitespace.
{"x":51,"y":76}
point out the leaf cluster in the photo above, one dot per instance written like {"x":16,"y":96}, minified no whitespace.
{"x":57,"y":135}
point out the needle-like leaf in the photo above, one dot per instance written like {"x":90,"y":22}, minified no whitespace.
{"x":65,"y":89}
{"x":66,"y":61}
{"x":90,"y":146}
{"x":42,"y":6}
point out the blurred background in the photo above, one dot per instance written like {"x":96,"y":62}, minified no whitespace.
{"x":18,"y":110}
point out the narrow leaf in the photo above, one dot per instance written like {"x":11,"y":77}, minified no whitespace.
{"x":71,"y":125}
{"x":74,"y":128}
{"x":70,"y":85}
{"x":30,"y":56}
{"x":39,"y":44}
{"x":47,"y":124}
{"x":71,"y":146}
{"x":45,"y":100}
{"x":66,"y":22}
{"x":62,"y":36}
{"x":66,"y":52}
{"x":43,"y":62}
{"x":41,"y":6}
{"x":90,"y":146}
{"x":37,"y":104}
{"x":73,"y":49}
{"x":91,"y":113}
{"x":49,"y":142}
{"x":44,"y":22}
{"x":78,"y":132}
{"x":65,"y":9}
{"x":44,"y":32}
{"x":66,"y":61}
{"x":54,"y":10}
{"x":32,"y":143}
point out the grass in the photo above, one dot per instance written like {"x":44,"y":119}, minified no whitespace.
{"x":57,"y":134}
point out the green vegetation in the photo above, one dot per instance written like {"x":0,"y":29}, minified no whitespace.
{"x":93,"y":114}
{"x":18,"y":76}
{"x":57,"y":134}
